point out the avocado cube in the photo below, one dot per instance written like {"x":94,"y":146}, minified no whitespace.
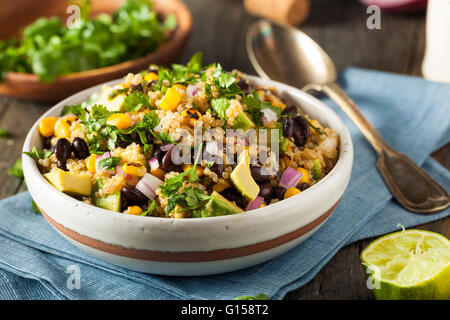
{"x":109,"y":202}
{"x":78,"y":184}
{"x":218,"y":205}
{"x":242,"y":178}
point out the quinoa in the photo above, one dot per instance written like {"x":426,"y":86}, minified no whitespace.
{"x":129,"y":144}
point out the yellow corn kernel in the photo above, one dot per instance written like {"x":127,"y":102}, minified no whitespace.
{"x":62,"y":129}
{"x":151,"y":76}
{"x":90,"y":163}
{"x":221,"y":185}
{"x":192,"y":115}
{"x":316,"y":124}
{"x":47,"y":126}
{"x":198,"y":169}
{"x":134,"y":210}
{"x":171,"y":99}
{"x":305,"y":175}
{"x":134,"y":169}
{"x":291,"y":192}
{"x":159,"y":173}
{"x":263,"y":205}
{"x":70,"y":118}
{"x":119,"y":120}
{"x":181,"y":89}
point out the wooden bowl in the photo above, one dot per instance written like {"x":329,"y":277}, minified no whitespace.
{"x":27,"y":86}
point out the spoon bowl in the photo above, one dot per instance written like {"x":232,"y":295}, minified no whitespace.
{"x":284,"y":53}
{"x":291,"y":65}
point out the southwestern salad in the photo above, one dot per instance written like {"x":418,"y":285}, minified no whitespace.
{"x":186,"y":141}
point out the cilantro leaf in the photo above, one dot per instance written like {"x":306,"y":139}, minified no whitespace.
{"x":220,"y":106}
{"x":259,"y":296}
{"x":136,"y":100}
{"x":254,"y":109}
{"x":109,"y":163}
{"x":195,"y":197}
{"x":38,"y":154}
{"x":16,"y":169}
{"x":150,"y":209}
{"x":4,"y":133}
{"x":224,"y":78}
{"x":35,"y":207}
{"x":75,"y":110}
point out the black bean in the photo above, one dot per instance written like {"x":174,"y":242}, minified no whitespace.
{"x":301,"y":131}
{"x":217,"y":168}
{"x":80,"y":148}
{"x":121,"y":143}
{"x":158,"y":154}
{"x":62,"y":165}
{"x":233,"y":195}
{"x":260,"y":174}
{"x":167,"y":164}
{"x":278,"y":192}
{"x":63,"y":150}
{"x":123,"y":202}
{"x":137,"y":87}
{"x":133,"y":195}
{"x":288,"y":127}
{"x":265,"y":191}
{"x":149,"y":136}
{"x":244,"y":86}
{"x":302,"y":186}
{"x":290,"y":109}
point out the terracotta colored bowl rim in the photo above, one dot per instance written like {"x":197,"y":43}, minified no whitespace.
{"x":190,"y":256}
{"x":343,"y":164}
{"x":184,"y":27}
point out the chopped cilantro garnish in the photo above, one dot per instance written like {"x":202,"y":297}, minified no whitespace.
{"x":150,"y":209}
{"x":191,"y":198}
{"x":135,"y":101}
{"x":109,"y":163}
{"x":38,"y":154}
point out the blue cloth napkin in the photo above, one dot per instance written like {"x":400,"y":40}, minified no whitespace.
{"x":411,"y":114}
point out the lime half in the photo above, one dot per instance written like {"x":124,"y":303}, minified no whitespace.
{"x":412,"y":264}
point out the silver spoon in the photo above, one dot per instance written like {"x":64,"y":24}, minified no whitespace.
{"x":286,"y":54}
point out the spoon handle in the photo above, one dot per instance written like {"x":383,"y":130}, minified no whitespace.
{"x":409,"y":184}
{"x":335,"y":92}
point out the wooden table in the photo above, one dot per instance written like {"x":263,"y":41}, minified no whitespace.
{"x":219,"y":31}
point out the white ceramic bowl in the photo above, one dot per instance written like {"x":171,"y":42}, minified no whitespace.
{"x":194,"y":246}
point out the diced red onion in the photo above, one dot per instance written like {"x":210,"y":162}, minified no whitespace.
{"x":166,"y":147}
{"x":148,"y":185}
{"x":119,"y":170}
{"x":154,"y":164}
{"x":290,"y":178}
{"x":191,"y":90}
{"x":269,"y":115}
{"x":255,"y":204}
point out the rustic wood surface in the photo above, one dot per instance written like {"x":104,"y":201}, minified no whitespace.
{"x":219,"y":31}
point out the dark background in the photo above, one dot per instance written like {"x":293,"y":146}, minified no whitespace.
{"x":339,"y":26}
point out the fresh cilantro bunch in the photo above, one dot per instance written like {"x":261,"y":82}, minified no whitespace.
{"x":49,"y":48}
